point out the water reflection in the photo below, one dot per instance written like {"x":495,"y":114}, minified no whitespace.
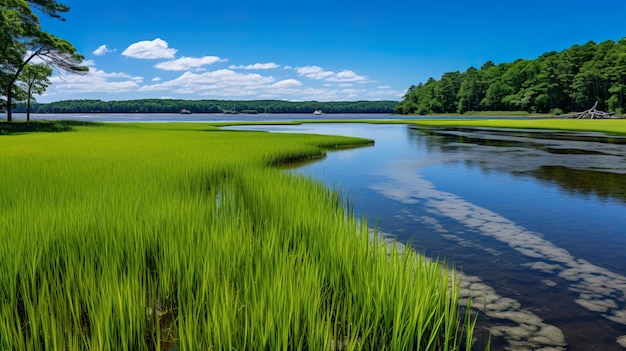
{"x":585,"y":182}
{"x":587,"y":164}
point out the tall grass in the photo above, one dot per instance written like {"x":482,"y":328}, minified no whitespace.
{"x":154,"y":237}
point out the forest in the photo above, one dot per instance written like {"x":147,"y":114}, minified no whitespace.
{"x":556,"y":82}
{"x":208,"y":106}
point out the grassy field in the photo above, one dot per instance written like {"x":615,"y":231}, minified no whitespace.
{"x":609,"y":126}
{"x":180,"y":236}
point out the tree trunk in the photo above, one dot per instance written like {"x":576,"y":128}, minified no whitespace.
{"x":28,"y":103}
{"x":9,"y":98}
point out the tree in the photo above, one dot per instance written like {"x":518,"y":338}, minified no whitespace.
{"x":409,"y":104}
{"x":554,"y":77}
{"x":449,"y":86}
{"x":22,"y":40}
{"x":50,"y":8}
{"x":467,"y":95}
{"x":555,"y":81}
{"x":488,"y":75}
{"x":35,"y":77}
{"x":15,"y":18}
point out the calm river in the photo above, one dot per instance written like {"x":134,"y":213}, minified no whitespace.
{"x":536,"y":221}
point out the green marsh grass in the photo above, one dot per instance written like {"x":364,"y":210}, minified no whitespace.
{"x":183,"y":237}
{"x":610,"y":126}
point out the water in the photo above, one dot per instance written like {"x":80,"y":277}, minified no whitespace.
{"x":535,"y":220}
{"x":213,"y":117}
{"x":197,"y":117}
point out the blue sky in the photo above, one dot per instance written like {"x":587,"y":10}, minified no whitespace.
{"x":312,"y":50}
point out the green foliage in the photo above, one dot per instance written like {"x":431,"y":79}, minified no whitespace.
{"x":35,"y":79}
{"x":17,"y":20}
{"x":169,"y":236}
{"x":571,"y":80}
{"x":210,"y":106}
{"x":23,"y":40}
{"x":50,"y":7}
{"x":556,"y":111}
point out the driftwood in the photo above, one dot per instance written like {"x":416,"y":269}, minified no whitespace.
{"x":592,"y":113}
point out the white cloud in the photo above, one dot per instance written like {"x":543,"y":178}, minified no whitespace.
{"x":281,"y":89}
{"x":155,"y":49}
{"x":102,"y":50}
{"x":193,"y":81}
{"x":99,"y":73}
{"x":95,"y":81}
{"x":34,"y":60}
{"x":287,"y":83}
{"x":346,"y":76}
{"x":228,"y":84}
{"x":186,"y":63}
{"x":268,"y":65}
{"x":314,"y":72}
{"x":228,"y":81}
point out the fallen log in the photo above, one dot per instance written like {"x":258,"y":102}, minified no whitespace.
{"x":592,"y":113}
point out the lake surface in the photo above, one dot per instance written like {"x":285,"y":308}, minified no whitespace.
{"x":216,"y":117}
{"x":199,"y":117}
{"x":535,"y":220}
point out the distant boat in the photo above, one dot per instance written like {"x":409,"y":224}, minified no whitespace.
{"x":185,"y":112}
{"x":318,"y":112}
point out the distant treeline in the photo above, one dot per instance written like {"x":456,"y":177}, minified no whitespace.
{"x":556,"y":82}
{"x":209,"y":106}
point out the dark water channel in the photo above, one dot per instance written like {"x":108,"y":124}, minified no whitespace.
{"x":535,"y":220}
